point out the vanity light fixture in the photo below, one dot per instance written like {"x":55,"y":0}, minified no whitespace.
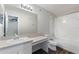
{"x":26,"y":7}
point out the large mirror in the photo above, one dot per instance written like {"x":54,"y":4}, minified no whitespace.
{"x":19,"y":21}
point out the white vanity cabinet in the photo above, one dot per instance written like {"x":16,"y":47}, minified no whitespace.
{"x":24,"y":48}
{"x":27,"y":48}
{"x":8,"y":50}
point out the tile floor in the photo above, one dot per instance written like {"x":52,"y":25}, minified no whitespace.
{"x":59,"y":51}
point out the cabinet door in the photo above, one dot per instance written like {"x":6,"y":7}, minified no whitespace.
{"x":27,"y":48}
{"x":9,"y":50}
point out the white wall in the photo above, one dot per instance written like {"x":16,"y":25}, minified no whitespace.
{"x":67,"y":32}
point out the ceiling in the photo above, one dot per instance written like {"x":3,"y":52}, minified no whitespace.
{"x":60,"y":9}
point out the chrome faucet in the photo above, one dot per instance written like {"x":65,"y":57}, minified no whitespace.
{"x":16,"y":36}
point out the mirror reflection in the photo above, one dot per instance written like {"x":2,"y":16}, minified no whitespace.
{"x":1,"y":25}
{"x":1,"y":19}
{"x":12,"y":28}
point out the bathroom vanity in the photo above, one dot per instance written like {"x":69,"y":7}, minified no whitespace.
{"x":21,"y":45}
{"x":15,"y":22}
{"x":18,"y":46}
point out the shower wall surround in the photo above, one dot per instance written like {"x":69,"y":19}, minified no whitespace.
{"x":67,"y":32}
